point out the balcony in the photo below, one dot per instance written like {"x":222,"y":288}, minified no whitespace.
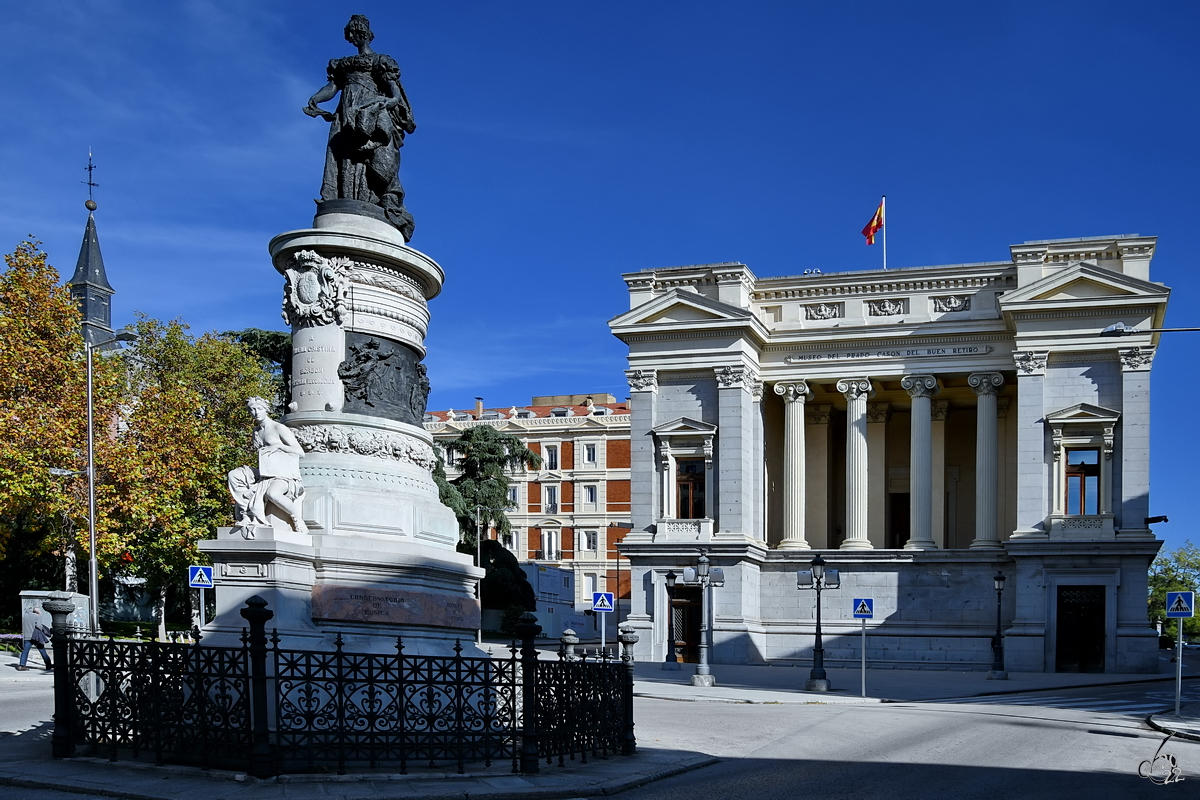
{"x":547,"y":555}
{"x":683,"y":530}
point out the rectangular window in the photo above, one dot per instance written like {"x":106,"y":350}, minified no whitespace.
{"x":589,"y":540}
{"x":551,"y":500}
{"x":589,"y":495}
{"x":589,"y":454}
{"x":550,"y":551}
{"x":551,"y":456}
{"x":590,"y":583}
{"x":1083,"y":481}
{"x":512,"y":496}
{"x":689,"y":484}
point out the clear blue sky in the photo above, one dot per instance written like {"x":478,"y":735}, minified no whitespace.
{"x":561,"y":144}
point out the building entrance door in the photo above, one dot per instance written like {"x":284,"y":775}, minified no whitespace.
{"x":686,"y":609}
{"x":1079,"y":637}
{"x":897,"y":530}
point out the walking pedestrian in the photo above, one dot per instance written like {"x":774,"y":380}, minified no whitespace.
{"x":35,"y":634}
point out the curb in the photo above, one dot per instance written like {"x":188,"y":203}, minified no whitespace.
{"x":460,"y":792}
{"x":853,"y":701}
{"x":1047,"y":689}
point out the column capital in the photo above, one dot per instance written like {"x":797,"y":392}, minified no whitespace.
{"x":920,"y":385}
{"x":793,"y":391}
{"x":642,"y":380}
{"x":1136,"y":359}
{"x":854,"y":388}
{"x":1031,"y":362}
{"x":735,"y":376}
{"x":985,"y":382}
{"x":878,"y":412}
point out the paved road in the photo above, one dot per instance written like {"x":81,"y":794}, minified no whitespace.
{"x":920,"y":750}
{"x":1064,"y":743}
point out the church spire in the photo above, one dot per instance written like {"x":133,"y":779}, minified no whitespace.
{"x":89,"y":285}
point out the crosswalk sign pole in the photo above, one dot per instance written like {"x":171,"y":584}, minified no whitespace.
{"x":202,"y":623}
{"x":864,"y":656}
{"x":1178,"y":663}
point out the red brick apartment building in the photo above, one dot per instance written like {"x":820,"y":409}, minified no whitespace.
{"x":572,"y":512}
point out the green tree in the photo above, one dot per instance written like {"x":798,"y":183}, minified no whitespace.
{"x":275,"y":350}
{"x":1174,"y":571}
{"x":183,"y":426}
{"x":43,"y":417}
{"x":484,"y":457}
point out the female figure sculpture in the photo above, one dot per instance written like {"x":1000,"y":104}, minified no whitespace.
{"x":362,"y":160}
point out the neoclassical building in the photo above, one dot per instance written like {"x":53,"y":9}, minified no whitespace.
{"x":923,"y":429}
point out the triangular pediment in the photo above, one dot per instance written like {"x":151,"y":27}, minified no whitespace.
{"x":1083,"y":412}
{"x":685,"y":426}
{"x":681,"y":306}
{"x":1084,"y":288}
{"x":1083,"y":282}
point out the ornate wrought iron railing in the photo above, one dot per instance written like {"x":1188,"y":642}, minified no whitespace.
{"x":268,"y":710}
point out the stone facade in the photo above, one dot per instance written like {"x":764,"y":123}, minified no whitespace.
{"x":923,"y":428}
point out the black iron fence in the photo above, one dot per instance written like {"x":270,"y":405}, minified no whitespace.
{"x":269,"y":710}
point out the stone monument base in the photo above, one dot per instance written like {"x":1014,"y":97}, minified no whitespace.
{"x":369,"y":590}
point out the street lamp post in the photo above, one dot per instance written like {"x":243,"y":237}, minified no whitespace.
{"x":998,"y":673}
{"x":672,"y":659}
{"x":706,"y":576}
{"x":818,"y":578}
{"x":93,"y":568}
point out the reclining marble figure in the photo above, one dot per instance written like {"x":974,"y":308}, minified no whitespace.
{"x":275,"y":485}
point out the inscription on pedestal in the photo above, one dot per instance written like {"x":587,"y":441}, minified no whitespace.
{"x":394,"y":606}
{"x":317,"y":351}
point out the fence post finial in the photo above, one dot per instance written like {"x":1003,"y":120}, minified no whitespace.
{"x":59,"y":605}
{"x":628,"y":639}
{"x":527,"y":629}
{"x":256,"y":613}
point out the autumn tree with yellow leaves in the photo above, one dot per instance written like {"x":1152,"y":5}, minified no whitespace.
{"x":171,"y":421}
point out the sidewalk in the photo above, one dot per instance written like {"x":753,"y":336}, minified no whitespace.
{"x":784,"y":684}
{"x":1185,"y":726}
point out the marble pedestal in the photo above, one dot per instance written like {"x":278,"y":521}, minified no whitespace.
{"x":378,"y":560}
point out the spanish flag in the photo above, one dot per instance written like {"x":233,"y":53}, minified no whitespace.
{"x":875,"y":225}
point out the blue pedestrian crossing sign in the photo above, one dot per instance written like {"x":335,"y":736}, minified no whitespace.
{"x":602,"y":602}
{"x":200,"y":577}
{"x":1181,"y":605}
{"x":864,"y":608}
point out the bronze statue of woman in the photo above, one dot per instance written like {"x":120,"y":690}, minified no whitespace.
{"x":362,"y":160}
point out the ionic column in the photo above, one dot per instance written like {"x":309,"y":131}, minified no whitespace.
{"x":921,"y":388}
{"x":986,"y":385}
{"x":856,"y":391}
{"x":794,"y":395}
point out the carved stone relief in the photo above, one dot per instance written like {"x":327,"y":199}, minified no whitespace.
{"x":316,"y":288}
{"x":820,"y":311}
{"x":951,"y":303}
{"x":1030,"y":362}
{"x":642,"y":380}
{"x":886,"y":307}
{"x":382,"y":378}
{"x":376,"y":444}
{"x":1136,"y":358}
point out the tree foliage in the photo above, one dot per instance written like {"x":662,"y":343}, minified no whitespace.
{"x":484,"y":458}
{"x":275,"y":350}
{"x":1174,"y":571}
{"x":170,"y":421}
{"x":183,"y":426}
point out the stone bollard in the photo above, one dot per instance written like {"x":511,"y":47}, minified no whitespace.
{"x":60,"y":607}
{"x":568,"y":641}
{"x":527,"y":629}
{"x":628,"y":639}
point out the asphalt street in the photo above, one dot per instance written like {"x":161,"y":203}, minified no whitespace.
{"x":1060,"y":743}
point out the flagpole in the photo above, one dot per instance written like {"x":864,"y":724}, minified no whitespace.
{"x":883,"y":205}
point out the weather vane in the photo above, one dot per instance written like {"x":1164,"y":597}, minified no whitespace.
{"x":91,"y":184}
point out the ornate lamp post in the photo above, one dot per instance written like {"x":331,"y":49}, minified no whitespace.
{"x":998,"y":673}
{"x":672,"y":659}
{"x":707,"y":577}
{"x":820,"y":579}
